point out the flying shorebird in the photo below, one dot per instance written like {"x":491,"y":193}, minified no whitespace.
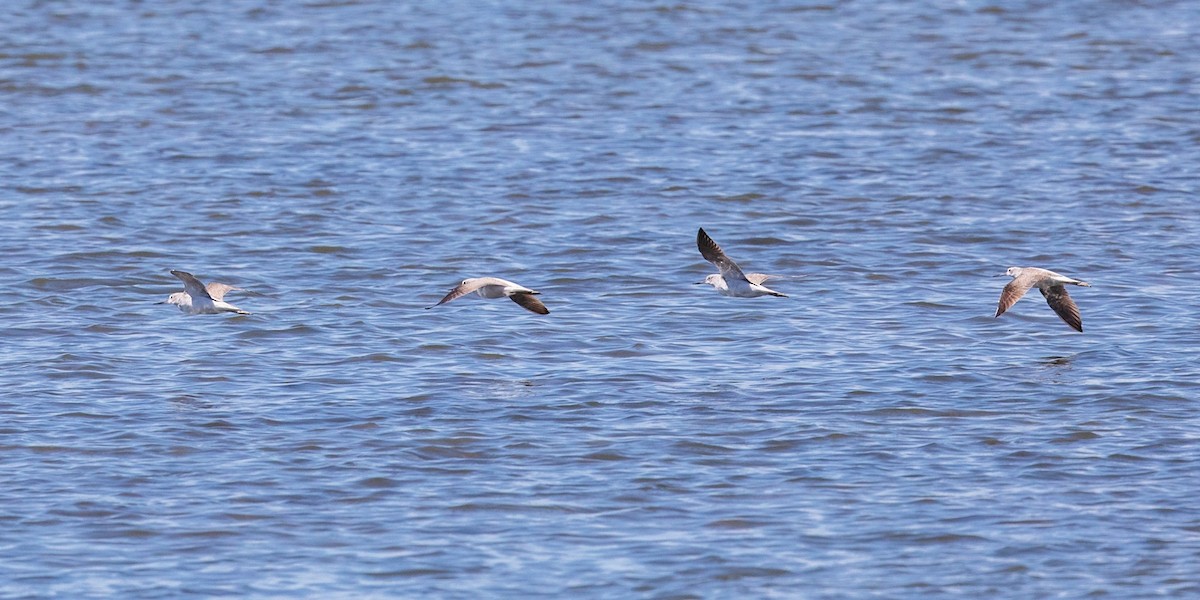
{"x":731,"y":281}
{"x":199,"y":299}
{"x":1051,"y":286}
{"x":494,"y":287}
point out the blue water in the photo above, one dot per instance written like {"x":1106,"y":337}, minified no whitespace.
{"x":876,"y":435}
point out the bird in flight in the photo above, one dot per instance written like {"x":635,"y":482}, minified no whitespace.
{"x":199,"y":299}
{"x":1051,"y":286}
{"x":494,"y":287}
{"x":731,"y":281}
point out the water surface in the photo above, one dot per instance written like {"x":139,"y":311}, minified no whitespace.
{"x":876,"y":435}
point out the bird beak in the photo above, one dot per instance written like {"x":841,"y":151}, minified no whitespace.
{"x":699,"y":283}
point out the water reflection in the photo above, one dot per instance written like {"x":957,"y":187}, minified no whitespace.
{"x":1058,"y":361}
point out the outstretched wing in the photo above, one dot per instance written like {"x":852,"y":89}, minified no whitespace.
{"x":1058,"y":299}
{"x":530,"y":302}
{"x":464,"y":288}
{"x":713,"y":254}
{"x":1013,"y":292}
{"x":217,"y":291}
{"x":759,"y":278}
{"x":191,"y":285}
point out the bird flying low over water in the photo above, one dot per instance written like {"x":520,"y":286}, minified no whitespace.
{"x":199,"y":299}
{"x":731,"y":281}
{"x":494,"y":287}
{"x":1051,"y":286}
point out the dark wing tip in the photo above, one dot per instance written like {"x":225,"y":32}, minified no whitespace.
{"x":708,"y":248}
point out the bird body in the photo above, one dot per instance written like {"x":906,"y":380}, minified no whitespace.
{"x":199,"y":299}
{"x":1050,"y":284}
{"x":494,"y":287}
{"x":731,"y":281}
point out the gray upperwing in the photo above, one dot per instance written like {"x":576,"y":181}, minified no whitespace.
{"x":462,"y":289}
{"x":191,"y":285}
{"x":713,"y":254}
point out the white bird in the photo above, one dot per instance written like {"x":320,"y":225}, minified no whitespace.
{"x":731,"y":281}
{"x":199,"y":299}
{"x":494,"y":287}
{"x":1051,"y":286}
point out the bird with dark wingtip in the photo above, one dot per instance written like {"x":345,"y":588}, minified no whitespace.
{"x":1051,"y":286}
{"x":731,"y":281}
{"x":494,"y":287}
{"x":199,"y":299}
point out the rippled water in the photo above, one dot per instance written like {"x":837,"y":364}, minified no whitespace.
{"x":878,"y":434}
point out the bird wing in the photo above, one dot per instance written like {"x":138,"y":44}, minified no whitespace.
{"x":530,"y":302}
{"x":1058,"y":299}
{"x":1013,"y":292}
{"x":713,"y":254}
{"x":217,"y":291}
{"x":759,"y":278}
{"x":191,"y":285}
{"x":464,"y":288}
